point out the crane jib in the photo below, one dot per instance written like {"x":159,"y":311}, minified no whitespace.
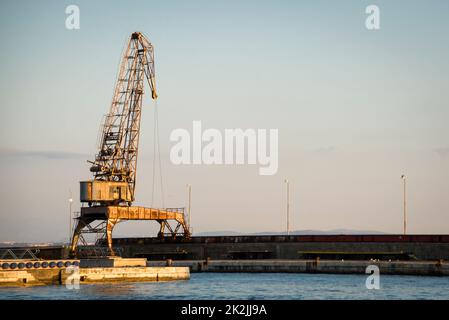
{"x":116,"y":160}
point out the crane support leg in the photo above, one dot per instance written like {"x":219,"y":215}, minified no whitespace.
{"x":81,"y":224}
{"x":161,"y":229}
{"x":101,"y":220}
{"x":110,"y":226}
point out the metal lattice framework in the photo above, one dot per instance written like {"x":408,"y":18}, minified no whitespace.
{"x":115,"y":165}
{"x":19,"y":253}
{"x":117,"y":156}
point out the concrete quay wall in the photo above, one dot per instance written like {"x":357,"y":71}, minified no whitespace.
{"x":93,"y":275}
{"x":421,"y":268}
{"x":280,"y":250}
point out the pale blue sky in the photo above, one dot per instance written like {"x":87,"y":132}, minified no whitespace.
{"x":354,"y":109}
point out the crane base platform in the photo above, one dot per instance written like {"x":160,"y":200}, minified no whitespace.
{"x":101,"y":220}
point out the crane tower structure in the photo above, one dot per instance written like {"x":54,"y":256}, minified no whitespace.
{"x":109,"y":195}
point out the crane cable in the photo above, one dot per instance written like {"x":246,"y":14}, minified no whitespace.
{"x":157,"y":151}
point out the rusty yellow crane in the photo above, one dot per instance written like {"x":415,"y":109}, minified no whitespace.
{"x":108,"y":197}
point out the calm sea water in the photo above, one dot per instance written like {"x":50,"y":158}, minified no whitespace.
{"x":248,"y":286}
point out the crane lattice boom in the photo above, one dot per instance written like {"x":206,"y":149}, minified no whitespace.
{"x":116,"y":160}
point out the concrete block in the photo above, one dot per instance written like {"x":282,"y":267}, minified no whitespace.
{"x":29,"y":277}
{"x":93,"y":275}
{"x":113,"y":262}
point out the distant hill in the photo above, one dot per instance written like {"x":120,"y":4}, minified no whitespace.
{"x":12,"y":244}
{"x":218,"y":233}
{"x":293,"y":232}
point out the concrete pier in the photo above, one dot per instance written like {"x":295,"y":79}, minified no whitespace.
{"x":93,"y":271}
{"x":328,"y":247}
{"x":421,"y":268}
{"x":30,"y":277}
{"x":134,"y":274}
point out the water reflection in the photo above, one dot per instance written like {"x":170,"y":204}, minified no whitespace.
{"x":109,"y":290}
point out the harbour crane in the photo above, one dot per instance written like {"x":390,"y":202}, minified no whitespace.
{"x":111,"y":192}
{"x":116,"y":161}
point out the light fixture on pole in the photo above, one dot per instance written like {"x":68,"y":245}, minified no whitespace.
{"x":405,"y":203}
{"x":288,"y":205}
{"x":70,"y":216}
{"x":189,"y":188}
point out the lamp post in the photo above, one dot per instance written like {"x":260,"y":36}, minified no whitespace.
{"x":70,"y":217}
{"x":405,"y":203}
{"x":288,"y":205}
{"x":189,"y":188}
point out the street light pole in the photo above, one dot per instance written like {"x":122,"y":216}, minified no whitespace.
{"x":189,"y":187}
{"x":70,"y":216}
{"x":288,"y":205}
{"x":405,"y":203}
